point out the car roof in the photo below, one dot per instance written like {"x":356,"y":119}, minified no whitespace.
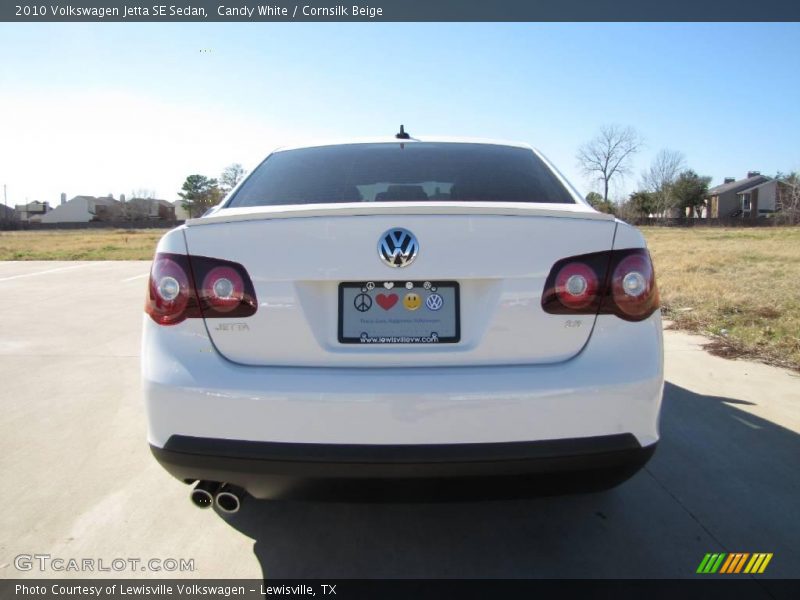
{"x":411,"y":140}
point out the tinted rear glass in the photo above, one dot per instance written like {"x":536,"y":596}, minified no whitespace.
{"x":416,"y":171}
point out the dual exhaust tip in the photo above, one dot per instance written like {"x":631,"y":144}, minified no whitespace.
{"x":227,"y":498}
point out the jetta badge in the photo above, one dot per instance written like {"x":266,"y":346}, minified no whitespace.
{"x":398,"y":247}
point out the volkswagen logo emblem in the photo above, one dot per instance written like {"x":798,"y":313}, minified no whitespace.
{"x":398,"y":247}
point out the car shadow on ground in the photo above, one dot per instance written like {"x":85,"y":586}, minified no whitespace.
{"x":721,"y":480}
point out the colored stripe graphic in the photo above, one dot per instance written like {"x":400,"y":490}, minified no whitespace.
{"x":765,"y":563}
{"x":754,"y":562}
{"x":735,"y":562}
{"x":758,"y":563}
{"x":703,"y":563}
{"x":711,"y":563}
{"x":718,"y":562}
{"x":727,"y":564}
{"x":741,"y":562}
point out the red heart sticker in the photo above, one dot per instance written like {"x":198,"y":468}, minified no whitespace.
{"x":386,"y":301}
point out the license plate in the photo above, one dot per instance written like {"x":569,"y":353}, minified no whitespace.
{"x":399,"y":312}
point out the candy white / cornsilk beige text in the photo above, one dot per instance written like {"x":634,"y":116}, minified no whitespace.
{"x":265,"y":10}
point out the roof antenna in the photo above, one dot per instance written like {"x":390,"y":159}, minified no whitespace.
{"x":402,"y":135}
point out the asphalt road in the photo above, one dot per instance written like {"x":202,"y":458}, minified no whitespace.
{"x":80,"y":481}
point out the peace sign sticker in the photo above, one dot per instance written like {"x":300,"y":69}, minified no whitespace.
{"x":362,"y":302}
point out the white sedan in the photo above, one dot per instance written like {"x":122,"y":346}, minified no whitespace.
{"x":394,"y":312}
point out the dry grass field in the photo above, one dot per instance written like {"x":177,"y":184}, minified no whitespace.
{"x":741,"y":286}
{"x":80,"y":244}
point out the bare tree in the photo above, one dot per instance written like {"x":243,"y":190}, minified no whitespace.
{"x":231,"y":175}
{"x":788,"y":204}
{"x":661,"y":176}
{"x":609,"y":154}
{"x":142,"y":193}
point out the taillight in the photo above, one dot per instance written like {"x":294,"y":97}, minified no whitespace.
{"x":619,"y":282}
{"x":223,"y":288}
{"x":173,"y":295}
{"x":633,"y":286}
{"x":576,"y":285}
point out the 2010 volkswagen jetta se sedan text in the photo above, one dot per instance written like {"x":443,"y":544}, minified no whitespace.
{"x":409,"y":312}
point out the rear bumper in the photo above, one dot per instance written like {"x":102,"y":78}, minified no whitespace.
{"x":614,"y":386}
{"x":285,"y":470}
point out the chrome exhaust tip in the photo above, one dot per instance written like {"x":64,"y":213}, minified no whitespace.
{"x":203,"y":493}
{"x":229,"y":499}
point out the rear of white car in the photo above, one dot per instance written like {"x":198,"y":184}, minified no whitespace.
{"x":398,"y":311}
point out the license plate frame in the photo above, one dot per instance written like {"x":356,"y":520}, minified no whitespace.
{"x":450,"y":296}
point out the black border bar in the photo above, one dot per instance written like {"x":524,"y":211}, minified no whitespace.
{"x":706,"y":587}
{"x":400,"y":11}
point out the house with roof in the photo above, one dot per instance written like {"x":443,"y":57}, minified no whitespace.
{"x":7,"y":214}
{"x":724,"y":201}
{"x":152,"y":208}
{"x":765,"y":197}
{"x":82,"y":209}
{"x":32,"y":212}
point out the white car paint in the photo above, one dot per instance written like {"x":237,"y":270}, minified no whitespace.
{"x":613,"y":386}
{"x":500,"y":261}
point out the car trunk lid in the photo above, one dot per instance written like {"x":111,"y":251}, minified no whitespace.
{"x":499,"y":254}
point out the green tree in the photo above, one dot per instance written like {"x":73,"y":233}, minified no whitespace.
{"x":597,"y":202}
{"x":690,"y":190}
{"x":199,"y":193}
{"x":594,"y":198}
{"x":642,"y":203}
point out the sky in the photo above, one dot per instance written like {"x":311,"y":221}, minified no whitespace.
{"x":101,"y":108}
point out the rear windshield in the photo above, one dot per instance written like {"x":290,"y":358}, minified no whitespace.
{"x":415,"y":171}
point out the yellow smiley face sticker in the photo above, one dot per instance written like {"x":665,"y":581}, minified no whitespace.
{"x":412,"y":301}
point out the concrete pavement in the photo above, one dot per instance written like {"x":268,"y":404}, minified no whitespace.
{"x":73,"y":450}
